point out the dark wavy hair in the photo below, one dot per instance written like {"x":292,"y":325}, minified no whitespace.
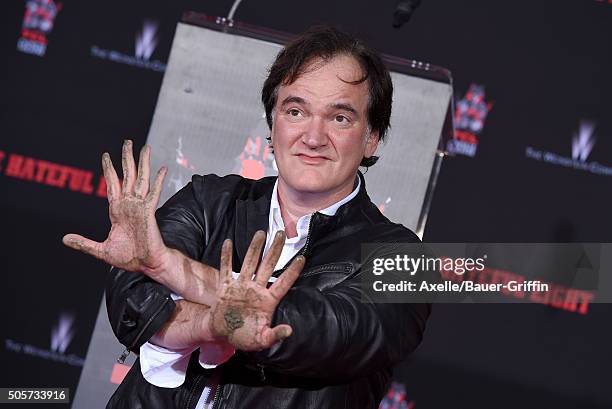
{"x":326,"y":42}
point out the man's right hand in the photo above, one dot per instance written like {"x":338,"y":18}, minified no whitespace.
{"x":134,"y":242}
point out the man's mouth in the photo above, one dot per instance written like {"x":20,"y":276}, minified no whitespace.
{"x":311,"y":160}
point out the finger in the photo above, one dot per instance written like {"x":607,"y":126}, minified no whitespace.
{"x":158,"y":185}
{"x":80,"y":243}
{"x":113,"y":187}
{"x":266,"y":268}
{"x":142,"y":181}
{"x":226,"y":263}
{"x":286,"y":280}
{"x":129,"y":167}
{"x":271,"y":336}
{"x":252,"y":256}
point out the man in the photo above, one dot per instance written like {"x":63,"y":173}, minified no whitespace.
{"x":294,"y":330}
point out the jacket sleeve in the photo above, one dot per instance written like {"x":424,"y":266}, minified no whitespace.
{"x":338,"y":333}
{"x":138,"y":306}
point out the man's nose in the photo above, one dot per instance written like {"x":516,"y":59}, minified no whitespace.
{"x":315,"y":135}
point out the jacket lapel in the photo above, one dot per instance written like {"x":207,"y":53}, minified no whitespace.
{"x":251,"y":216}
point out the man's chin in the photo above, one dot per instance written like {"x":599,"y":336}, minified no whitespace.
{"x":311,"y":187}
{"x":309,"y":182}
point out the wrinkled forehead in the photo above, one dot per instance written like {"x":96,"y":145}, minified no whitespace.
{"x":339,"y":77}
{"x":347,"y":67}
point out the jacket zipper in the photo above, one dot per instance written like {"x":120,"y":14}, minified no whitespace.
{"x":262,"y":374}
{"x":216,"y":397}
{"x":192,"y":392}
{"x":213,"y":380}
{"x":303,"y":250}
{"x":127,"y":351}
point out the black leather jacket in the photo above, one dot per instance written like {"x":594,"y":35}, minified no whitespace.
{"x":342,"y":349}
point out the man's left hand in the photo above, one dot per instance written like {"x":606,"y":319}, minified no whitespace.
{"x":244,"y":309}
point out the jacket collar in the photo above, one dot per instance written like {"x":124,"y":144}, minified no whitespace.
{"x":252,"y":215}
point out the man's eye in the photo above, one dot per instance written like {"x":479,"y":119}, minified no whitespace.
{"x":294,"y":112}
{"x":342,"y":119}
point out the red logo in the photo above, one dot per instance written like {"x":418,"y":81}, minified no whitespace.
{"x":119,"y":372}
{"x":396,"y":398}
{"x":470,"y":114}
{"x":256,"y":160}
{"x":382,"y":206}
{"x":37,"y":24}
{"x":52,"y":174}
{"x":181,"y":174}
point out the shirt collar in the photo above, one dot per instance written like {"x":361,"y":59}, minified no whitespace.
{"x":275,"y":221}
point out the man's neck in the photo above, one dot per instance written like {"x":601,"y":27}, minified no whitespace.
{"x":295,"y":204}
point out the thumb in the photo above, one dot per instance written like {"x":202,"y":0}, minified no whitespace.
{"x":82,"y":244}
{"x":277,"y":334}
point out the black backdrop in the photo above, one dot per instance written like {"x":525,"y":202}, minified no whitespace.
{"x":546,"y":69}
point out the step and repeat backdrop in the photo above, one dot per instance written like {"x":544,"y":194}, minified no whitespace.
{"x":531,"y":162}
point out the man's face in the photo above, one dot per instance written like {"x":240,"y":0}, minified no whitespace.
{"x":320,"y":130}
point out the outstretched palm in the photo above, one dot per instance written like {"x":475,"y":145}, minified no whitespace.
{"x":244,"y":308}
{"x":134,"y":242}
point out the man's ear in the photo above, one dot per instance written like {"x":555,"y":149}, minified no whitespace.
{"x":270,"y":137}
{"x":371,"y":144}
